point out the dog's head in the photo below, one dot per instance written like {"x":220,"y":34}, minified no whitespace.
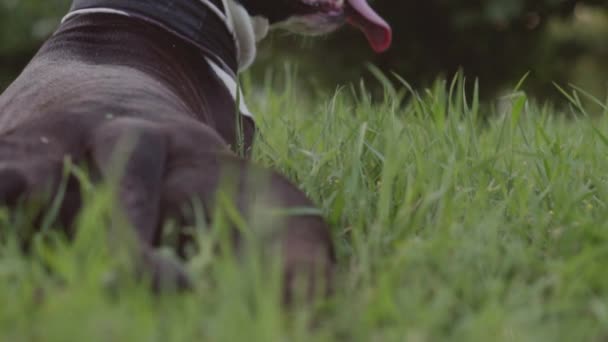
{"x":315,"y":17}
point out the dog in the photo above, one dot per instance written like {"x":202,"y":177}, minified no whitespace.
{"x":163,"y":73}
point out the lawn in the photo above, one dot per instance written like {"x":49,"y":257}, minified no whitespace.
{"x":453,"y":221}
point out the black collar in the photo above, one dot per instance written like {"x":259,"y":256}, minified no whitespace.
{"x":192,"y":20}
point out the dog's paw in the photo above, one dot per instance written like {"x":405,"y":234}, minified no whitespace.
{"x":159,"y":169}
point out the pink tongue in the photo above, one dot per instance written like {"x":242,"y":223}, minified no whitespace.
{"x":378,"y":32}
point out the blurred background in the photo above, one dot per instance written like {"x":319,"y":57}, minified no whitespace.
{"x":497,"y":41}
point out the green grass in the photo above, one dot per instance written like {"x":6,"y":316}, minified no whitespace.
{"x":451,"y":224}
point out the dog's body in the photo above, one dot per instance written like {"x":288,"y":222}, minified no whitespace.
{"x":112,"y":72}
{"x":105,"y":63}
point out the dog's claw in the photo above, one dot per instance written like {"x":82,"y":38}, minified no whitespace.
{"x":165,"y":274}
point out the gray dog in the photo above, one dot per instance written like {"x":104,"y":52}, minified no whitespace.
{"x":163,"y":71}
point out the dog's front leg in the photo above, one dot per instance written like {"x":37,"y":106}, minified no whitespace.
{"x":133,"y":153}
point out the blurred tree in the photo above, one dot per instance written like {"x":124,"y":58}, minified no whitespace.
{"x":498,"y":41}
{"x":24,"y":22}
{"x":23,"y":25}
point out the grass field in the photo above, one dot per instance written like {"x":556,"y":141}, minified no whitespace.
{"x":451,"y":224}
